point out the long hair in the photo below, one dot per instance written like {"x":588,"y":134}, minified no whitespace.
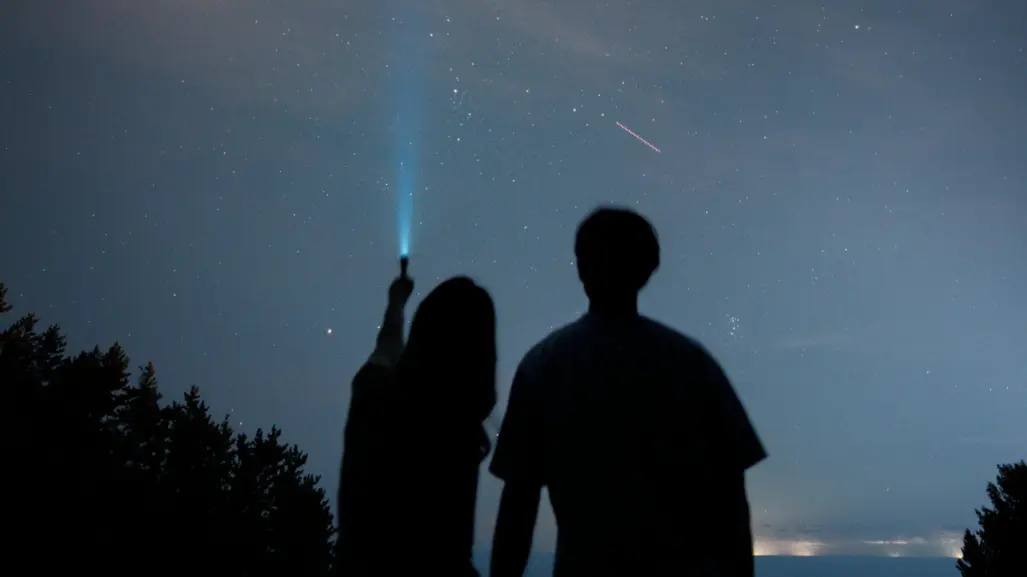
{"x":448,"y":368}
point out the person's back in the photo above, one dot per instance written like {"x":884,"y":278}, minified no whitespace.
{"x":636,"y":432}
{"x":636,"y":418}
{"x":408,"y":486}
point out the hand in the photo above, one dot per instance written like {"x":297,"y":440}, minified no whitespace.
{"x":400,"y":291}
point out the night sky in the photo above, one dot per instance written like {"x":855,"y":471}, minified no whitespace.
{"x":840,"y":196}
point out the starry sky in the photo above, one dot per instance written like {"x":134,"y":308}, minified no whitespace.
{"x":218,"y":185}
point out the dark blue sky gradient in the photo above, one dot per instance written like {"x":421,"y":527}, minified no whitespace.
{"x":840,"y":197}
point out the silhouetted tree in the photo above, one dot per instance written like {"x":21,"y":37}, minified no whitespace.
{"x":100,"y":476}
{"x":999,"y":547}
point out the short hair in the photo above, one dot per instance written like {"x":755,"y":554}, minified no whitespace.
{"x":617,"y":250}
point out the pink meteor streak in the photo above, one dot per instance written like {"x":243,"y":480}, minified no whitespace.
{"x":640,"y":139}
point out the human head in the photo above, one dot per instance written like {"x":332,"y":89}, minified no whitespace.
{"x":450,"y":357}
{"x":617,"y":251}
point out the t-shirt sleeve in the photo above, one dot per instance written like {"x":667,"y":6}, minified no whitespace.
{"x":519,"y":456}
{"x":743,"y":444}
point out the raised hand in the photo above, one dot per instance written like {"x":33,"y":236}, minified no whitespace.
{"x":400,"y":291}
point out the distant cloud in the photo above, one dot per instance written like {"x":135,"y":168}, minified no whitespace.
{"x":313,"y":57}
{"x":544,"y":23}
{"x":594,"y":46}
{"x":792,"y":548}
{"x":940,"y":545}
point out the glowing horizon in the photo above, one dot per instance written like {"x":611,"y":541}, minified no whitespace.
{"x":944,"y":545}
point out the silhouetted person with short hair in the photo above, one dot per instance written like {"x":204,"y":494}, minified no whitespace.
{"x":415,"y":439}
{"x":633,"y":428}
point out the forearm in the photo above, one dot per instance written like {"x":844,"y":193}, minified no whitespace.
{"x":389,"y":345}
{"x":515,"y":528}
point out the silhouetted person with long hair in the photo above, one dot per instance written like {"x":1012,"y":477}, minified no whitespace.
{"x":414,"y":438}
{"x":633,"y":428}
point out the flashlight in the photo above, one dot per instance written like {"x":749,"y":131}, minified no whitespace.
{"x":403,"y":262}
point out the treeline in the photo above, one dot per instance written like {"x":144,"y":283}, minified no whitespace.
{"x":101,"y":475}
{"x":998,"y":548}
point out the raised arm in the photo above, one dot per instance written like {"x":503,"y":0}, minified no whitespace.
{"x":356,"y":477}
{"x":390,"y":343}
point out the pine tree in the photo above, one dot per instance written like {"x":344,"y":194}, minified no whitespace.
{"x":999,"y":547}
{"x":4,"y":307}
{"x":106,"y":478}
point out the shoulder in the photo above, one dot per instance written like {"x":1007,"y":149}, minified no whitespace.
{"x":674,"y":341}
{"x":552,"y":346}
{"x":371,"y":373}
{"x":369,"y":399}
{"x":682,"y":354}
{"x":371,"y":381}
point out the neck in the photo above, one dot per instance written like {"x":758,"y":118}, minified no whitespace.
{"x":614,"y":308}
